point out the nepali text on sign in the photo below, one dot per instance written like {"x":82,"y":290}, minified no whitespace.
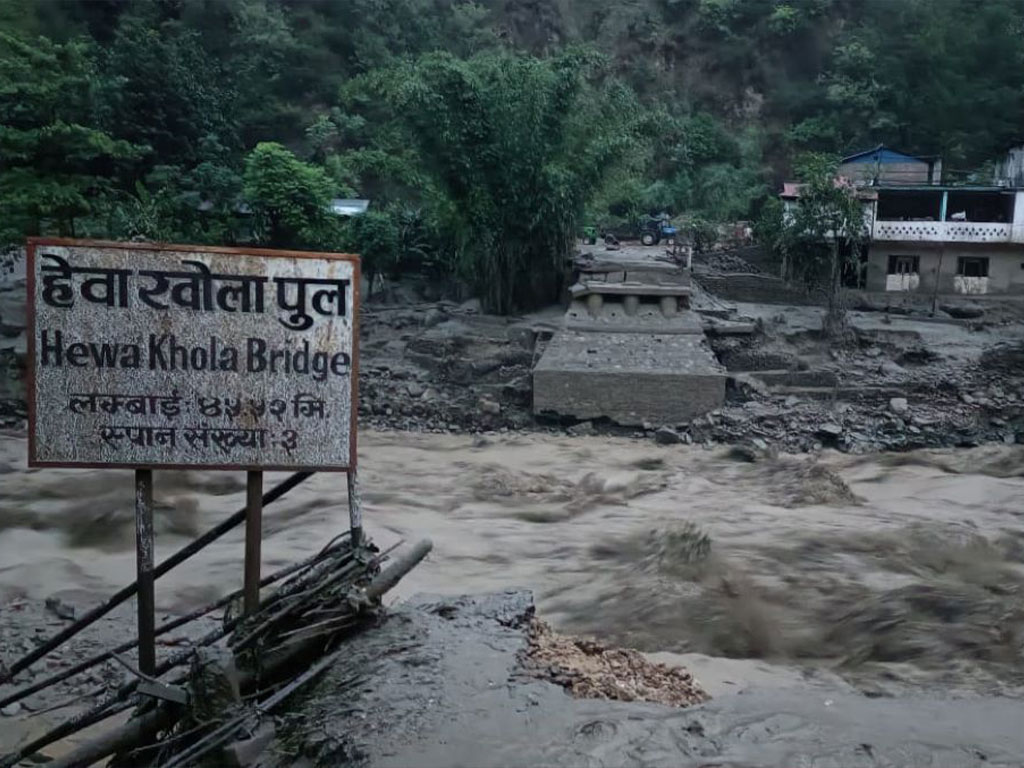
{"x":178,"y":356}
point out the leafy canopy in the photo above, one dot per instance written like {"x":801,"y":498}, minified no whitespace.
{"x":289,"y":199}
{"x":55,"y":161}
{"x":517,"y":145}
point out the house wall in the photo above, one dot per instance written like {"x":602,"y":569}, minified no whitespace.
{"x":1011,"y":169}
{"x":888,"y":173}
{"x":1005,"y":274}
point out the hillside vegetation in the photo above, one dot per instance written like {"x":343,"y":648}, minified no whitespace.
{"x":485,"y":133}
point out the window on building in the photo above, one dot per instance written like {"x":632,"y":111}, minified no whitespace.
{"x":904,"y":265}
{"x":972,"y":266}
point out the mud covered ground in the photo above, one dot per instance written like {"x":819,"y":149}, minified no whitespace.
{"x":438,"y":685}
{"x":900,"y":383}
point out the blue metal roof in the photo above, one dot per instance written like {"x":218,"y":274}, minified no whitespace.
{"x":882,"y":154}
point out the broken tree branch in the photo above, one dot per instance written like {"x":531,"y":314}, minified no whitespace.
{"x":275,"y":666}
{"x":163,"y":628}
{"x":127,"y":592}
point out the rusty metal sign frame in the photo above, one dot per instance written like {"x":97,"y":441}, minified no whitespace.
{"x":33,"y":243}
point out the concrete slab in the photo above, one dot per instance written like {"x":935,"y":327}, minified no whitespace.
{"x":630,"y":378}
{"x":646,"y":318}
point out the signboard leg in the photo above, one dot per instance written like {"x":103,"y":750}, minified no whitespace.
{"x":253,"y":538}
{"x":355,"y":509}
{"x":144,"y":569}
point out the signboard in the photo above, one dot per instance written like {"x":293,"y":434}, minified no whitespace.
{"x":148,"y":355}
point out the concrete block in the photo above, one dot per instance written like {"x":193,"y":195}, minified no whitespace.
{"x":630,"y":378}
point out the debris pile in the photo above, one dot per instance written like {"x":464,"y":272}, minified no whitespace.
{"x":205,"y":698}
{"x":588,"y":670}
{"x":725,"y":261}
{"x":444,"y":368}
{"x":796,"y":425}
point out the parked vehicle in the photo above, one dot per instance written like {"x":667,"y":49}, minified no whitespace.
{"x":649,"y":231}
{"x":657,"y":229}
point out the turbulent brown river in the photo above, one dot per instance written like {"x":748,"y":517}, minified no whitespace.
{"x":891,"y":571}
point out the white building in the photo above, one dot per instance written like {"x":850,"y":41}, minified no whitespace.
{"x":932,"y":238}
{"x":939,"y":239}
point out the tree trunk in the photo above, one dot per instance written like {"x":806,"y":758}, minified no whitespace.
{"x":835,"y":314}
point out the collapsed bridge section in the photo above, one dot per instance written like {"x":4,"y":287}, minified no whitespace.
{"x":630,"y":349}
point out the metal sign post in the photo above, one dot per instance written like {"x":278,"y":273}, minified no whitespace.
{"x":355,"y":508}
{"x":147,"y":356}
{"x":146,"y":597}
{"x":253,"y":539}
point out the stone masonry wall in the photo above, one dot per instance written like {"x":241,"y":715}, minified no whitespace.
{"x":761,"y":289}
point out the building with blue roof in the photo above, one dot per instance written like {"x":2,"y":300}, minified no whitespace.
{"x":929,"y":237}
{"x":884,"y":165}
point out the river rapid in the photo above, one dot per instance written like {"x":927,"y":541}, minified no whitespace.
{"x":894,"y":572}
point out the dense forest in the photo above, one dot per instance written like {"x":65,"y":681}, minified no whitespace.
{"x":486,"y":134}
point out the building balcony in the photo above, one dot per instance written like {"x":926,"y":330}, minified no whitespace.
{"x":947,"y":231}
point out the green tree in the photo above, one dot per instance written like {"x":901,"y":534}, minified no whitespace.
{"x":168,"y":94}
{"x":201,"y":205}
{"x":823,"y":234}
{"x":855,"y":101}
{"x":289,"y":198}
{"x":770,"y":232}
{"x":374,"y":236}
{"x":517,"y":145}
{"x":56,"y":165}
{"x":729,"y":92}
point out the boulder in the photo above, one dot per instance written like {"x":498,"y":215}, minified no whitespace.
{"x":583,"y":429}
{"x":489,"y":406}
{"x":830,"y":430}
{"x":889,"y":368}
{"x":433,"y":317}
{"x":962,"y":311}
{"x":899,"y":405}
{"x":667,"y":436}
{"x":742,"y":453}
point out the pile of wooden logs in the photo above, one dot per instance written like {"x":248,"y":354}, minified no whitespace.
{"x":220,"y":689}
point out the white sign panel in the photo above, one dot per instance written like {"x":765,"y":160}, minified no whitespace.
{"x":149,"y":355}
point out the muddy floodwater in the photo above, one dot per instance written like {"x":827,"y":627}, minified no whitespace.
{"x":891,"y":572}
